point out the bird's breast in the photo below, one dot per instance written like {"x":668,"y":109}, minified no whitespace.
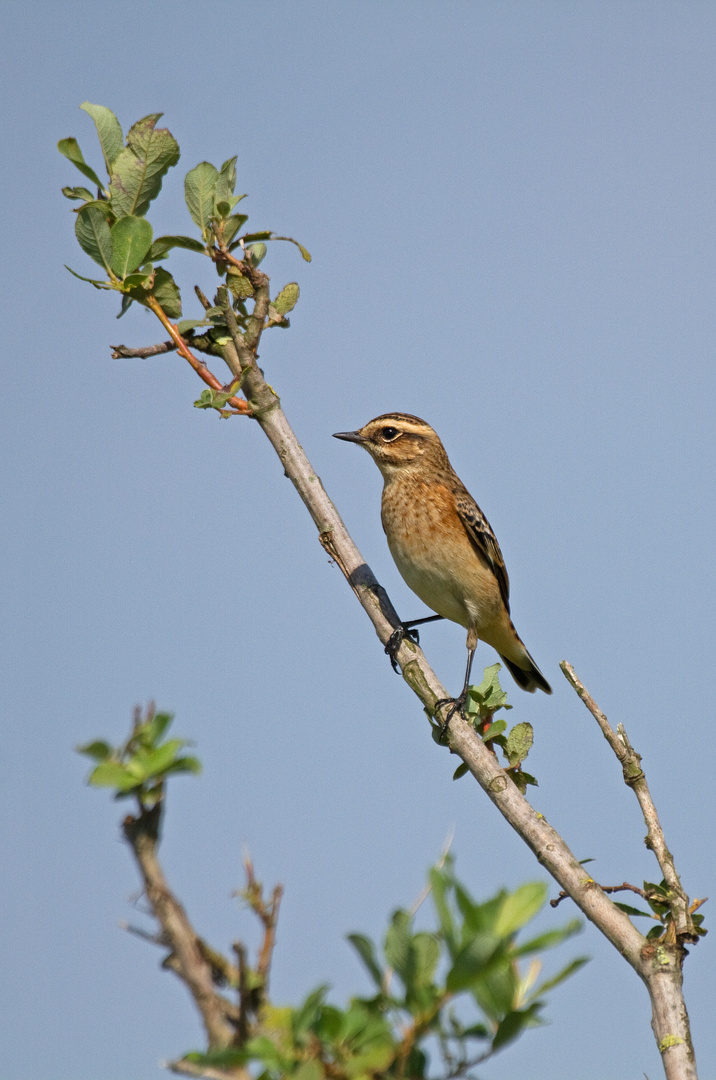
{"x":434,"y":555}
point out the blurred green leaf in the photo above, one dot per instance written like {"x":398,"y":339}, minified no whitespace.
{"x":71,"y":150}
{"x":309,"y":1070}
{"x":497,"y":727}
{"x":398,"y":948}
{"x":514,"y":1024}
{"x":472,"y":961}
{"x":461,"y":770}
{"x":521,"y":906}
{"x":199,"y":185}
{"x":98,"y":750}
{"x":549,"y":939}
{"x":109,"y":130}
{"x":158,"y":725}
{"x":138,"y":170}
{"x":655,"y":932}
{"x":93,"y":235}
{"x":112,"y":774}
{"x":427,"y":953}
{"x":304,"y":1017}
{"x":366,"y":950}
{"x":555,"y":980}
{"x":131,"y":240}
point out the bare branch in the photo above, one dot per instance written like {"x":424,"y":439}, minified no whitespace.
{"x":123,"y":352}
{"x":634,"y":778}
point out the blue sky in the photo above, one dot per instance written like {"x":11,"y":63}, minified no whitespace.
{"x":511,"y":214}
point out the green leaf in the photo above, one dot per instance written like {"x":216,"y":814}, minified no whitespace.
{"x":287,"y":298}
{"x":520,"y":906}
{"x":226,"y":181}
{"x":109,"y":131}
{"x":166,"y":291}
{"x":112,"y":774}
{"x":495,"y":729}
{"x":78,"y":193}
{"x":93,"y":235}
{"x":461,"y":770}
{"x":655,"y":932}
{"x":131,"y":240}
{"x":232,"y":226}
{"x":199,"y":187}
{"x":366,"y":950}
{"x":71,"y":150}
{"x":257,"y":253}
{"x":139,"y":168}
{"x":125,"y":305}
{"x":98,"y":750}
{"x":629,"y":910}
{"x":519,"y":743}
{"x":190,"y":324}
{"x":163,"y":244}
{"x":266,"y":234}
{"x":240,"y":286}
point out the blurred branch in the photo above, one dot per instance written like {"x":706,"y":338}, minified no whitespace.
{"x":188,"y":956}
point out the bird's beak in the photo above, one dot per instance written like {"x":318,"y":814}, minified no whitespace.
{"x":350,"y":436}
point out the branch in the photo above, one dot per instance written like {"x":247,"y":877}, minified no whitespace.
{"x":662,"y":960}
{"x":634,"y":778}
{"x":658,"y":965}
{"x":123,"y":352}
{"x":188,"y":957}
{"x":199,"y":366}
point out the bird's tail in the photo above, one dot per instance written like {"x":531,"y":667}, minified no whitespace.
{"x":529,"y":677}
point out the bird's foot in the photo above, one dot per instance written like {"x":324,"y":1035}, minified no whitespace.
{"x":457,"y":705}
{"x":396,"y":639}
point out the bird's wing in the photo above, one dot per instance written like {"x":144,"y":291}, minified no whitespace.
{"x":484,"y":541}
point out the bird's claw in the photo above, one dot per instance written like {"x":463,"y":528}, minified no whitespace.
{"x":396,"y":639}
{"x":458,"y":704}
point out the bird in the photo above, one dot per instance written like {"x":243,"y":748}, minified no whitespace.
{"x":443,"y":545}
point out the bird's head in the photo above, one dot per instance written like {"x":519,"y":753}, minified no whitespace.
{"x":397,"y":441}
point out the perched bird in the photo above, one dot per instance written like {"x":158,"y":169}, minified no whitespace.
{"x":442,"y":543}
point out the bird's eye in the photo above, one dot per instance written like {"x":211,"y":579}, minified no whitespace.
{"x":390,"y":434}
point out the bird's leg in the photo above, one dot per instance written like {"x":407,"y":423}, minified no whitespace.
{"x":405,"y":630}
{"x":458,"y":703}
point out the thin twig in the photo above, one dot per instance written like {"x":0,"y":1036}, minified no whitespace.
{"x":123,"y":352}
{"x":634,"y":778}
{"x":198,"y":365}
